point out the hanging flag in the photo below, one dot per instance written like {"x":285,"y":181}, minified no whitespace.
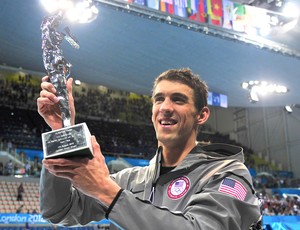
{"x":227,"y":14}
{"x":239,"y":18}
{"x":215,"y":11}
{"x":180,"y":8}
{"x":234,"y":188}
{"x":167,"y":6}
{"x":192,"y":7}
{"x":217,"y":7}
{"x":201,"y":14}
{"x":154,"y":4}
{"x":140,"y":2}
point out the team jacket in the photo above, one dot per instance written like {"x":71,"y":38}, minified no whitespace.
{"x":210,"y":189}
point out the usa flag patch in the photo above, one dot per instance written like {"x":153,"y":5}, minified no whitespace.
{"x":234,"y":188}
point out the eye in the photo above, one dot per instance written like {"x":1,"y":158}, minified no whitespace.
{"x":158,"y":100}
{"x":178,"y":100}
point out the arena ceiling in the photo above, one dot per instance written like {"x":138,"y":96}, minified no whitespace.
{"x":124,"y":50}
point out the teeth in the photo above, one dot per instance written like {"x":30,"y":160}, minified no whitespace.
{"x":167,"y":122}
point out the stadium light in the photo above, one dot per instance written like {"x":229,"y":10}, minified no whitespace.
{"x":82,"y":11}
{"x":260,"y":88}
{"x":289,"y":108}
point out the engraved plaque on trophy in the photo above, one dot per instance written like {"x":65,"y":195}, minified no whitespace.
{"x":70,"y":140}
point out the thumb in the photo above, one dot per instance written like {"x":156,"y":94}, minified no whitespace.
{"x":71,"y":99}
{"x":70,"y":85}
{"x":96,"y":146}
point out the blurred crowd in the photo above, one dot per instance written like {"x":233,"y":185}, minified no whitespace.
{"x":285,"y":205}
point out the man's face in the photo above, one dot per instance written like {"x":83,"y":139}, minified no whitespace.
{"x":174,"y":115}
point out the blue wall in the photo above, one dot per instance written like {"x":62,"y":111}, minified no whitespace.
{"x":281,"y":222}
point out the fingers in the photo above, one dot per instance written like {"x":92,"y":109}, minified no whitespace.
{"x":59,"y":171}
{"x":54,"y":169}
{"x":64,"y":168}
{"x":62,"y":174}
{"x":48,"y":92}
{"x":47,"y":97}
{"x":45,"y":85}
{"x":45,"y":78}
{"x":64,"y":162}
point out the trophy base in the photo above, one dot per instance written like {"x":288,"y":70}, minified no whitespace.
{"x":72,"y":141}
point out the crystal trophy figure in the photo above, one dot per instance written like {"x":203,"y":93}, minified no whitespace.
{"x":70,"y":140}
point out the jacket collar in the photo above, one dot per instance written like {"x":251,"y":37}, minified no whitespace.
{"x":211,"y":152}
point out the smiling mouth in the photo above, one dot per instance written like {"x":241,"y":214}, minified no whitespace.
{"x":168,"y":122}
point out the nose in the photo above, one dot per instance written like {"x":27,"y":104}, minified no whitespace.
{"x":166,"y":106}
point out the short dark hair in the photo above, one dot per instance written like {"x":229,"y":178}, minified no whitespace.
{"x":187,"y":77}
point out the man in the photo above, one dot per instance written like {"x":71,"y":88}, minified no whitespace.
{"x":186,"y":186}
{"x":20,"y":192}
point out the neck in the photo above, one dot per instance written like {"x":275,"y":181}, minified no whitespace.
{"x":173,"y":155}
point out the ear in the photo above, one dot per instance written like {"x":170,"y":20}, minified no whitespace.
{"x":203,"y":115}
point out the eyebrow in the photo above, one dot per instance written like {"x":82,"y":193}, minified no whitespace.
{"x":172,"y":95}
{"x":157,"y":95}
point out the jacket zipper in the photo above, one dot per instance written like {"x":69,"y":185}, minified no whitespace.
{"x":159,"y":153}
{"x":151,"y":197}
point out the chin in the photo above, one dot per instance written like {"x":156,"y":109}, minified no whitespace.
{"x":166,"y":139}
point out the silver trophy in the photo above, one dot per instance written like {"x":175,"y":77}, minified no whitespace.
{"x":70,"y":140}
